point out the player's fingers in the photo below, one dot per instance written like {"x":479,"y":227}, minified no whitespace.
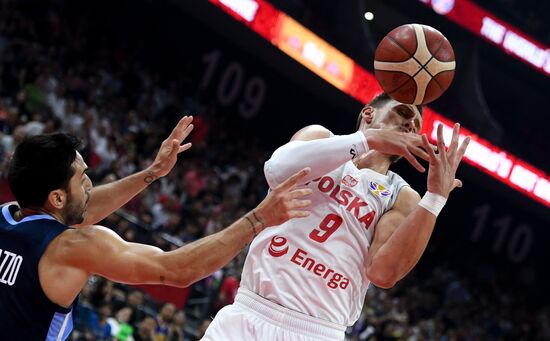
{"x":414,"y":139}
{"x":186,"y":132}
{"x":429,"y":147}
{"x":295,"y":203}
{"x":421,"y":153}
{"x":422,"y":144}
{"x":184,"y":147}
{"x":179,"y":125}
{"x":293,"y":179}
{"x":462,"y":148}
{"x":298,"y":214}
{"x":454,"y":139}
{"x":299,"y":193}
{"x":414,"y":162}
{"x":441,"y":141}
{"x":180,"y":131}
{"x":456,"y":184}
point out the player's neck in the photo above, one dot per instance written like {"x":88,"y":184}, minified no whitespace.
{"x":375,"y":161}
{"x":27,"y":212}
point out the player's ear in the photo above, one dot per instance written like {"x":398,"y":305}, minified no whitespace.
{"x":57,"y":199}
{"x":367,"y":114}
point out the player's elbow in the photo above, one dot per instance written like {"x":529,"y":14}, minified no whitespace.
{"x":382,"y":278}
{"x":179,"y":279}
{"x":171,"y":272}
{"x":189,"y":276}
{"x":181,"y":282}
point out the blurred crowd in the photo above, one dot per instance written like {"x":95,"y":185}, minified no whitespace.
{"x":445,"y":304}
{"x":54,"y":77}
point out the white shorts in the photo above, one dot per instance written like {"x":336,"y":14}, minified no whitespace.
{"x":252,"y":317}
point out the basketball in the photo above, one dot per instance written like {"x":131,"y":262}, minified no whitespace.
{"x":414,"y":64}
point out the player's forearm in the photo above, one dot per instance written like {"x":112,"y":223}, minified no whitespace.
{"x":107,"y":198}
{"x":197,"y":260}
{"x":402,"y":250}
{"x":321,"y":155}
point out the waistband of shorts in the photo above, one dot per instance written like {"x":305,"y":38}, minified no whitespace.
{"x":289,"y":319}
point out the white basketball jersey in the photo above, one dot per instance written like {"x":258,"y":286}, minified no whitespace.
{"x":316,"y":265}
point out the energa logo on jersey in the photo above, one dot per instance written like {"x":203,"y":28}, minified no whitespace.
{"x":378,"y":189}
{"x":278,"y":247}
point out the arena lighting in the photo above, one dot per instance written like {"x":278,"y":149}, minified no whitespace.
{"x":486,"y":25}
{"x":492,"y":160}
{"x":342,"y":72}
{"x":369,"y":16}
{"x":244,"y":8}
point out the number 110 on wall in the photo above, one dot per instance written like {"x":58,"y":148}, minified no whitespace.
{"x":233,"y":86}
{"x":515,"y":240}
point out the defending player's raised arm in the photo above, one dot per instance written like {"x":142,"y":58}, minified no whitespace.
{"x":98,"y":250}
{"x":313,"y":147}
{"x":107,"y":198}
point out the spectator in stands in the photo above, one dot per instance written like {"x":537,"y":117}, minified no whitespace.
{"x":164,"y":321}
{"x":175,"y":332}
{"x":146,"y":330}
{"x":84,"y":96}
{"x":102,"y":330}
{"x":121,"y":330}
{"x":135,"y":302}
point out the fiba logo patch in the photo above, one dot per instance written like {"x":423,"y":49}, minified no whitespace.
{"x":277,"y":246}
{"x":378,"y":189}
{"x":349,"y":181}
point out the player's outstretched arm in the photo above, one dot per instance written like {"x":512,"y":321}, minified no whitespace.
{"x":98,"y":250}
{"x":313,"y":147}
{"x":402,"y":234}
{"x":106,"y":199}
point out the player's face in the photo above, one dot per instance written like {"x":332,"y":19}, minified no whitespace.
{"x":397,"y":116}
{"x":78,"y":194}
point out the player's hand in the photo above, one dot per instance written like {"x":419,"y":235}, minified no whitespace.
{"x":407,"y":145}
{"x":170,"y":148}
{"x":443,"y":165}
{"x":285,"y":201}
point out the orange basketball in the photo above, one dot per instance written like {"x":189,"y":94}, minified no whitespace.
{"x":414,"y":64}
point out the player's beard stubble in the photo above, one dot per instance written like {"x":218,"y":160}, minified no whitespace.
{"x":73,"y":213}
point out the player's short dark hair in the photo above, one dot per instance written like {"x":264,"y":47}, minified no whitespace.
{"x":378,"y":102}
{"x":41,"y":164}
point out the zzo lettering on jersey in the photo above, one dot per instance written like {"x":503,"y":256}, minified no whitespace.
{"x":9,"y":267}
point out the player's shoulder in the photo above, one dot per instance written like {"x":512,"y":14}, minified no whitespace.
{"x":407,"y":199}
{"x":311,"y":132}
{"x":84,"y":237}
{"x":77,"y":244}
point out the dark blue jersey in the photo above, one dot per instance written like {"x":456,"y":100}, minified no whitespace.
{"x":25,"y":311}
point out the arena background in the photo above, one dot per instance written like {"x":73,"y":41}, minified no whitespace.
{"x":130,"y":68}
